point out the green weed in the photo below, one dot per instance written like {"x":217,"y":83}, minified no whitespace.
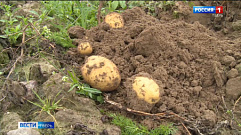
{"x":13,"y":24}
{"x":48,"y":106}
{"x":128,"y":127}
{"x":12,"y":31}
{"x":82,"y":88}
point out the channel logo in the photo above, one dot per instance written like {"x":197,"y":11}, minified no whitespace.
{"x":208,"y":9}
{"x":39,"y":125}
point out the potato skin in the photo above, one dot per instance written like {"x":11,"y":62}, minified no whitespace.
{"x":146,"y":89}
{"x":85,"y":48}
{"x":115,"y":20}
{"x":101,"y":73}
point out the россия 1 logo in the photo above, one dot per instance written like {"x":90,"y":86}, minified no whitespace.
{"x":208,"y":9}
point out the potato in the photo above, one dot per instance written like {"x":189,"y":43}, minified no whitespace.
{"x":115,"y":20}
{"x":85,"y":48}
{"x":146,"y":89}
{"x":142,"y":92}
{"x":101,"y":73}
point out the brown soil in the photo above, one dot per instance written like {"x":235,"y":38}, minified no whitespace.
{"x":187,"y":58}
{"x":195,"y":58}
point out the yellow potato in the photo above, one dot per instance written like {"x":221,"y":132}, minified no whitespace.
{"x":101,"y":73}
{"x":115,"y":20}
{"x":85,"y":48}
{"x":146,"y":89}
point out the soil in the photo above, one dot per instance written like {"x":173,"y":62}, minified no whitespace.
{"x":188,"y":58}
{"x":195,"y":58}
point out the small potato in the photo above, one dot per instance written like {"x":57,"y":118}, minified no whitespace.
{"x":146,"y":89}
{"x":115,"y":20}
{"x":85,"y":48}
{"x":143,"y":92}
{"x":101,"y":73}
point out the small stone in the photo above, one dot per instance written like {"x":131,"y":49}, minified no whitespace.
{"x":113,"y":130}
{"x":232,"y":73}
{"x":230,"y":52}
{"x":23,"y":131}
{"x":227,"y":60}
{"x":9,"y":122}
{"x":237,"y":25}
{"x":225,"y":31}
{"x":210,"y":117}
{"x":162,"y":108}
{"x":196,"y":90}
{"x":233,"y":88}
{"x":219,"y":74}
{"x":237,"y":55}
{"x":179,"y":109}
{"x":182,"y":65}
{"x":194,"y":83}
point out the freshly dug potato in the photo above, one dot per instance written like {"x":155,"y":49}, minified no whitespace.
{"x":146,"y":89}
{"x":142,"y":92}
{"x":101,"y":73}
{"x":115,"y":20}
{"x":85,"y":48}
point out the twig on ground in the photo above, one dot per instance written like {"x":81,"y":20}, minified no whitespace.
{"x":236,"y":103}
{"x":2,"y":98}
{"x":99,"y":12}
{"x":165,"y":114}
{"x":186,"y":129}
{"x":15,"y":63}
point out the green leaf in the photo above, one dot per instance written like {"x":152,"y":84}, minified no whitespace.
{"x":34,"y":12}
{"x":80,"y":92}
{"x":73,"y":87}
{"x":100,"y":99}
{"x":122,"y":4}
{"x":18,"y":27}
{"x":34,"y":103}
{"x":1,"y":73}
{"x":114,"y":4}
{"x":42,"y":101}
{"x":3,"y":36}
{"x":73,"y":77}
{"x":3,"y":21}
{"x":90,"y":95}
{"x":92,"y":90}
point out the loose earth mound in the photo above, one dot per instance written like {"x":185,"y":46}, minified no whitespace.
{"x":191,"y":61}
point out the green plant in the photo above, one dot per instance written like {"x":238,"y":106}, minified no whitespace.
{"x":82,"y":88}
{"x":12,"y":32}
{"x":61,"y":37}
{"x":113,"y":5}
{"x":48,"y":106}
{"x":13,"y":24}
{"x":67,"y":14}
{"x":128,"y":127}
{"x":231,"y":114}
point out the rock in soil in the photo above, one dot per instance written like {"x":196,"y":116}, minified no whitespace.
{"x":9,"y":122}
{"x":23,"y":131}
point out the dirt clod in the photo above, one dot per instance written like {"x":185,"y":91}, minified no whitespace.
{"x":233,"y":87}
{"x":76,"y":32}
